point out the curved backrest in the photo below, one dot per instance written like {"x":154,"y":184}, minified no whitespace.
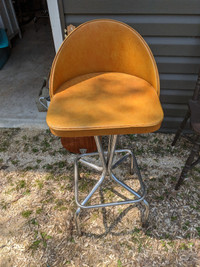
{"x":103,"y":46}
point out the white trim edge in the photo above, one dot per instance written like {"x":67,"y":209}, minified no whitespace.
{"x":56,"y":25}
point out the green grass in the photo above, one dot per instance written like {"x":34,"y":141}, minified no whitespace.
{"x":42,"y":238}
{"x":26,"y":213}
{"x":183,"y":246}
{"x":174,"y":218}
{"x":119,"y":263}
{"x":60,"y":164}
{"x":48,"y":167}
{"x":39,"y":210}
{"x":35,"y":244}
{"x":136,"y":230}
{"x":35,"y":150}
{"x":45,"y":145}
{"x":15,"y":162}
{"x":4,"y":146}
{"x":29,"y":168}
{"x":33,"y":221}
{"x":39,"y":183}
{"x":21,"y":184}
{"x":185,"y":226}
{"x":24,"y":137}
{"x":27,"y":192}
{"x":3,"y":205}
{"x":36,"y":138}
{"x":26,"y":147}
{"x":132,"y":137}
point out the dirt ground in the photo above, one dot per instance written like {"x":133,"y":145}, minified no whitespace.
{"x":37,"y":206}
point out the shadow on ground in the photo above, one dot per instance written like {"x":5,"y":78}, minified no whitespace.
{"x":37,"y":206}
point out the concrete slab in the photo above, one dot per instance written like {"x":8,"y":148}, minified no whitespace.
{"x":22,"y":77}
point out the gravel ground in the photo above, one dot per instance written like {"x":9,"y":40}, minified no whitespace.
{"x":37,"y":206}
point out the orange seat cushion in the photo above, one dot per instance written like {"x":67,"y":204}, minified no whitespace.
{"x":103,"y":104}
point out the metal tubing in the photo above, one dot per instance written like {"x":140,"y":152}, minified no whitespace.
{"x":100,"y":150}
{"x":123,"y":150}
{"x":132,"y":164}
{"x":140,"y":198}
{"x":87,"y":155}
{"x":112,"y":152}
{"x":145,"y":216}
{"x":107,"y":166}
{"x":109,"y":147}
{"x":138,"y":171}
{"x":76,"y":178}
{"x":91,"y":192}
{"x":111,"y":204}
{"x":91,"y":165}
{"x":120,"y":161}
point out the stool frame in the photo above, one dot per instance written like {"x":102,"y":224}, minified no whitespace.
{"x":107,"y":170}
{"x":190,"y":162}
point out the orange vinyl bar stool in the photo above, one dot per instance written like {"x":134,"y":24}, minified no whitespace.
{"x":104,"y":81}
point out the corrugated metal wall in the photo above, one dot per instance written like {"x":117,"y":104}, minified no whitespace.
{"x":172,"y":30}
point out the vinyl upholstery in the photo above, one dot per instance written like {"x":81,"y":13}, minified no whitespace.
{"x":104,"y":80}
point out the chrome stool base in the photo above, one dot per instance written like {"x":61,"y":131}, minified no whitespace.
{"x":107,"y":169}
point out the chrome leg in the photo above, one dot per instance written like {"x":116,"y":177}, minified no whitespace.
{"x":107,"y":168}
{"x":109,"y":146}
{"x":132,"y":164}
{"x":128,"y":154}
{"x":144,"y":218}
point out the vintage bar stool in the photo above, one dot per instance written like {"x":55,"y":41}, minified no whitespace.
{"x":104,"y":81}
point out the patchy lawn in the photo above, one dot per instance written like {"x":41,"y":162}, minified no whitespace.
{"x":37,"y":206}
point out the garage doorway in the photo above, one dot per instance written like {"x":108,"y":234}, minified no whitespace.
{"x":29,"y":63}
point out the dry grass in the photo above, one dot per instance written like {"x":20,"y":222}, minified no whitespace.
{"x":37,"y":207}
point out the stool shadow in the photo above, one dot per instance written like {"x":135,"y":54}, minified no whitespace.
{"x":118,"y":219}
